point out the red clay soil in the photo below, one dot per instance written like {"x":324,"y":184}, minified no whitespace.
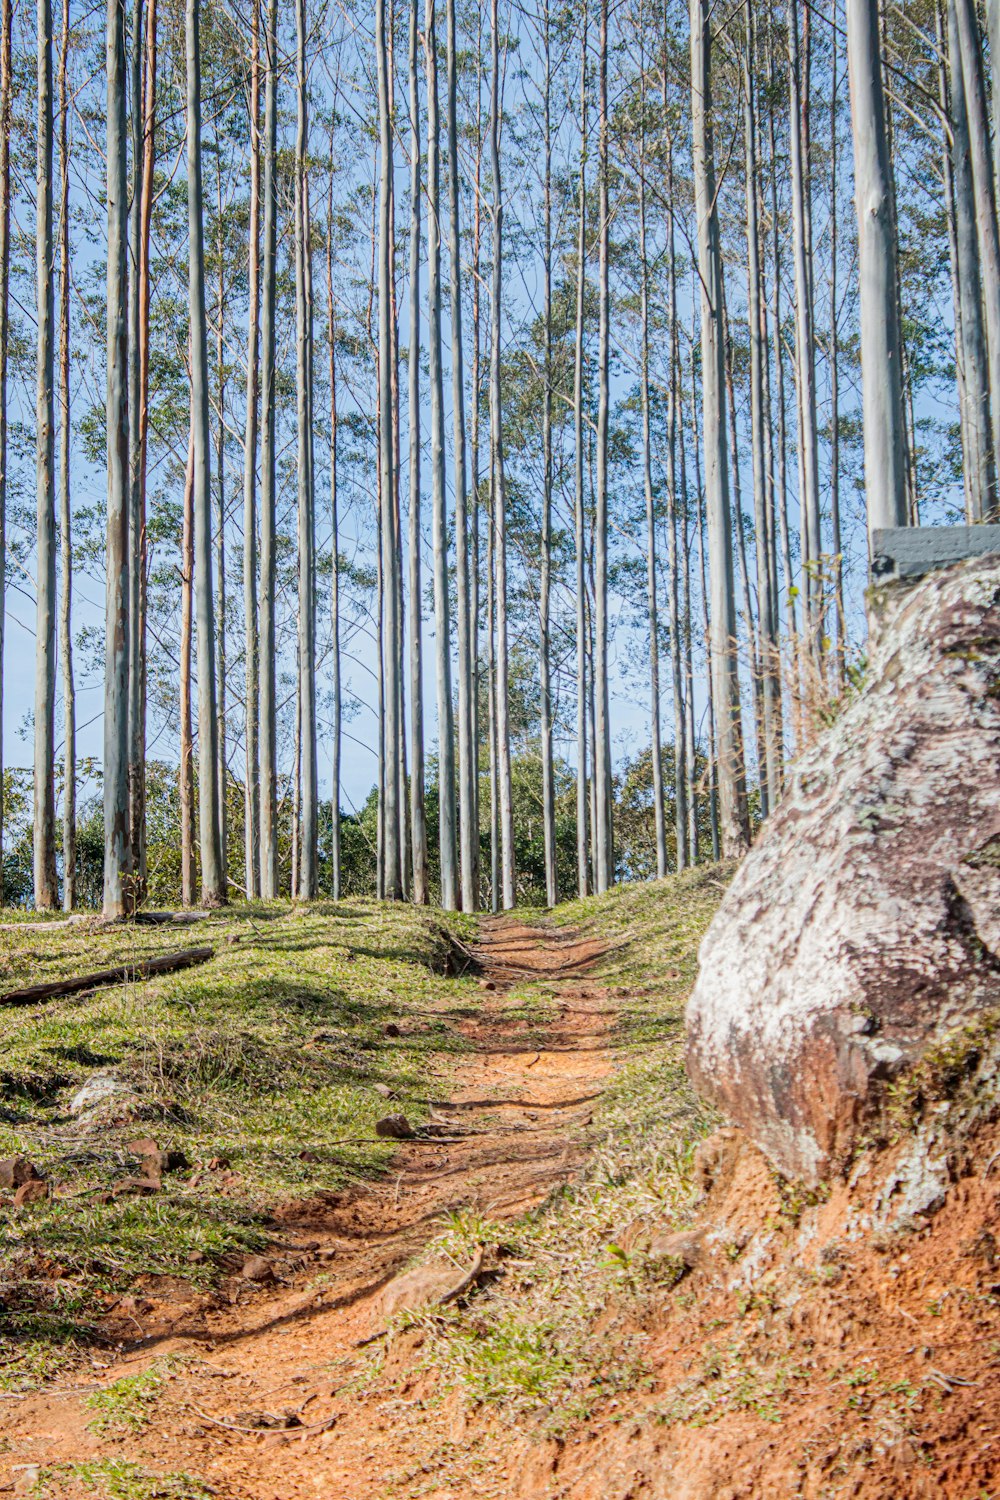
{"x":803,"y":1352}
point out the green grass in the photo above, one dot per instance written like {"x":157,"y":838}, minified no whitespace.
{"x":270,"y":1049}
{"x":117,"y":1479}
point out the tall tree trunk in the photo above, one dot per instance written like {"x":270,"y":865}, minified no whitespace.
{"x":186,"y":775}
{"x":677,"y":684}
{"x":545,"y":591}
{"x":308,"y":886}
{"x":213,"y":874}
{"x":137,"y":522}
{"x":136,"y":685}
{"x":769,"y":662}
{"x":690,"y":742}
{"x":837,"y":539}
{"x":604,"y":858}
{"x":659,"y":812}
{"x":221,"y":654}
{"x":335,"y":689}
{"x":881,"y":362}
{"x":805,"y":356}
{"x":579,"y":514}
{"x":267,"y":729}
{"x":65,"y":512}
{"x":468,"y":833}
{"x":251,"y":787}
{"x":980,"y":475}
{"x":446,"y":731}
{"x":117,"y":847}
{"x":418,"y":813}
{"x":724,"y":671}
{"x":6,"y":83}
{"x":391,"y":665}
{"x":506,"y":810}
{"x":46,"y":894}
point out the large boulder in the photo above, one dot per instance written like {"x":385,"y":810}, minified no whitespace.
{"x":863,"y":928}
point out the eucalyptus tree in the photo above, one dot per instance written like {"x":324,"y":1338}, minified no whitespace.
{"x":603,"y":832}
{"x":722,"y":653}
{"x":307,"y":886}
{"x":6,"y":84}
{"x":137,"y":530}
{"x":45,"y":482}
{"x":805,"y":344}
{"x":65,"y":512}
{"x":439,"y":526}
{"x":545,"y":590}
{"x":499,"y":487}
{"x":213,"y":874}
{"x":418,"y":814}
{"x":391,"y":665}
{"x":467,"y":813}
{"x":251,"y":784}
{"x":267,"y":723}
{"x":972,"y":362}
{"x":881,"y":372}
{"x":335,"y":685}
{"x":659,"y":810}
{"x":117,"y":846}
{"x":579,"y":514}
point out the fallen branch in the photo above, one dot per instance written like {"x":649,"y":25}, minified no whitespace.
{"x":143,"y":968}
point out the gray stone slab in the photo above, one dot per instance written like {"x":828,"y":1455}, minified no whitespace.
{"x":912,"y":551}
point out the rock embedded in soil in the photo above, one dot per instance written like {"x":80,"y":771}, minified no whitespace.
{"x":136,"y":1187}
{"x":861,"y":934}
{"x":395,"y":1128}
{"x":257,"y":1268}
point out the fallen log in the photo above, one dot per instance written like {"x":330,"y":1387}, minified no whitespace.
{"x":143,"y":968}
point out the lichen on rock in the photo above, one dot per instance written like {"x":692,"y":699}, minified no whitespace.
{"x":863,"y":927}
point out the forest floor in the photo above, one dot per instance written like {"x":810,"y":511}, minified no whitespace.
{"x":557,"y":1287}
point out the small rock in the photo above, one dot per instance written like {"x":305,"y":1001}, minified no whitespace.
{"x":328,"y":1253}
{"x":395,"y":1128}
{"x":136,"y":1187}
{"x":195,"y":1257}
{"x":32,"y":1191}
{"x":487,"y":984}
{"x":383,"y":1090}
{"x":220,"y":1164}
{"x":15,"y":1170}
{"x":309,"y":1156}
{"x":257,"y":1268}
{"x":391,"y":1029}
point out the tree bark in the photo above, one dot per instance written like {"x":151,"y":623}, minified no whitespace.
{"x":677,"y":684}
{"x":391,"y":665}
{"x":117,"y":850}
{"x":251,"y":788}
{"x":267,"y":729}
{"x":186,"y":774}
{"x":6,"y":84}
{"x":659,"y":812}
{"x":579,"y":515}
{"x":418,"y":813}
{"x":881,"y":351}
{"x":506,"y":812}
{"x":545,"y":591}
{"x":46,"y":893}
{"x":213,"y":875}
{"x":308,"y":886}
{"x":136,"y":519}
{"x":604,"y":859}
{"x":724,"y":672}
{"x":65,"y":512}
{"x":442,"y":632}
{"x":468,"y":832}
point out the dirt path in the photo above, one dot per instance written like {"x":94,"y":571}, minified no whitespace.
{"x":513,"y":1129}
